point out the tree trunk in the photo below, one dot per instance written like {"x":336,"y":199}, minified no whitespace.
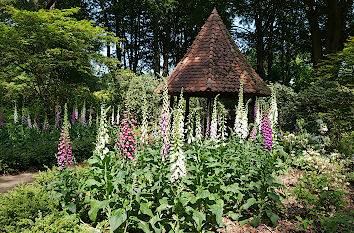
{"x":156,"y":51}
{"x":336,"y":24}
{"x":270,"y":52}
{"x":312,"y":17}
{"x":259,"y":40}
{"x":166,"y":48}
{"x":106,"y":24}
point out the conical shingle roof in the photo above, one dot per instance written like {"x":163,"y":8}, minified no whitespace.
{"x":214,"y":65}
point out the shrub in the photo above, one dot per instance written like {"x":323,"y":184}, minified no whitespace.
{"x":286,"y":97}
{"x":326,"y":100}
{"x":22,"y":148}
{"x":22,"y":205}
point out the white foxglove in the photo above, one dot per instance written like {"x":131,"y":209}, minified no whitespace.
{"x":178,"y":168}
{"x":214,"y":122}
{"x":165,"y":123}
{"x":113,"y":116}
{"x":198,"y":125}
{"x":15,"y":114}
{"x":241,"y":120}
{"x":144,"y":129}
{"x":273,"y":114}
{"x":102,"y":138}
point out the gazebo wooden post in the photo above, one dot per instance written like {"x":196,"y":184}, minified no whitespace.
{"x":172,"y":101}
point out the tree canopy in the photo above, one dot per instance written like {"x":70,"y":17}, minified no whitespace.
{"x":43,"y":50}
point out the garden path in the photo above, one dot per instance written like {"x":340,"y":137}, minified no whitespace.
{"x":8,"y":182}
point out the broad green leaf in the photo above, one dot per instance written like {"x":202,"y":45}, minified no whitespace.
{"x":243,"y":222}
{"x":95,"y":207}
{"x":91,"y":182}
{"x":187,"y":197}
{"x":93,"y":160}
{"x":233,"y":215}
{"x":117,"y":219}
{"x":71,"y":207}
{"x":274,"y":197}
{"x":249,"y":203}
{"x":272,"y":216}
{"x":162,"y":207}
{"x":217,"y":209}
{"x":145,"y":208}
{"x":198,"y":218}
{"x":256,"y":221}
{"x":202,"y":194}
{"x":153,"y":221}
{"x":144,"y":226}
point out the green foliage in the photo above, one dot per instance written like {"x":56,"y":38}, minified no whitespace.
{"x":53,"y":223}
{"x":140,"y":89}
{"x":22,"y":205}
{"x":339,"y":67}
{"x":286,"y":97}
{"x":45,"y":52}
{"x":237,"y":180}
{"x":22,"y":148}
{"x":321,"y":199}
{"x":326,"y":100}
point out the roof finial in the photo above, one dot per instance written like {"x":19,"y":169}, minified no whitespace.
{"x":214,"y":11}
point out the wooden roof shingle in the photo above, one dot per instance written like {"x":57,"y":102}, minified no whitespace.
{"x":214,"y":65}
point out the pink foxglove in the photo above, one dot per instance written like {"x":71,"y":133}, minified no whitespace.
{"x":267,"y":133}
{"x":65,"y":157}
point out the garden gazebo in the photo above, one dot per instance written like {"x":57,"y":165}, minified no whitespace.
{"x":214,"y":65}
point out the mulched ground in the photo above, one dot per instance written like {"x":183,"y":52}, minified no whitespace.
{"x":291,"y":210}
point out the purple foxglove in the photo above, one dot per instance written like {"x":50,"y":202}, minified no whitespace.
{"x":45,"y":124}
{"x":57,"y":114}
{"x":76,"y":112}
{"x":24,"y":118}
{"x":90,"y":116}
{"x":267,"y":133}
{"x":38,"y":122}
